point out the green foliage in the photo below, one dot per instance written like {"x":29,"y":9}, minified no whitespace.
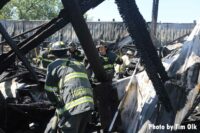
{"x":31,"y":9}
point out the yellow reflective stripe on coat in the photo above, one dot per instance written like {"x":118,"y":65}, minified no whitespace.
{"x":72,"y":76}
{"x":74,"y":103}
{"x":77,"y":63}
{"x":75,"y":75}
{"x":47,"y":60}
{"x":105,"y":59}
{"x":108,"y":66}
{"x":51,"y":88}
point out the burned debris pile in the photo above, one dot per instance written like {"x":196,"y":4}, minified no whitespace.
{"x":164,"y":91}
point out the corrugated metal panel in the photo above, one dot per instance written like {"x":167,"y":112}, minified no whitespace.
{"x":108,"y":31}
{"x":167,"y":32}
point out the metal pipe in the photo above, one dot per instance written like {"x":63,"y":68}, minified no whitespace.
{"x":154,"y":17}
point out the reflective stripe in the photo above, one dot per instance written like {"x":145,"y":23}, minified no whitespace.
{"x":81,"y":91}
{"x":47,"y":60}
{"x":77,"y":63}
{"x":105,"y":59}
{"x":74,"y":103}
{"x":75,"y":75}
{"x":108,"y":66}
{"x":62,"y":43}
{"x":72,"y":62}
{"x":72,"y":76}
{"x":51,"y":88}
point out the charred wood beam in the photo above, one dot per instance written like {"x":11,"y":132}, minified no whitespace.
{"x":45,"y":32}
{"x":177,"y":39}
{"x":3,"y":42}
{"x":140,"y":25}
{"x":38,"y":32}
{"x":14,"y":76}
{"x":3,"y":3}
{"x":17,"y":51}
{"x":9,"y":58}
{"x":78,"y":22}
{"x":37,"y":105}
{"x":3,"y":75}
{"x":137,"y":28}
{"x":32,"y":42}
{"x":41,"y":73}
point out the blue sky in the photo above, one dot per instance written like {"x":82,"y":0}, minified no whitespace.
{"x":179,"y":11}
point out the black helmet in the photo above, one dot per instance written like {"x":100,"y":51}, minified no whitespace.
{"x":100,"y":43}
{"x":72,"y":45}
{"x":58,"y":49}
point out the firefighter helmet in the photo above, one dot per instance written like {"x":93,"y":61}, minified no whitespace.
{"x":129,"y":52}
{"x":72,"y":45}
{"x":58,"y":46}
{"x":100,"y":43}
{"x":58,"y":49}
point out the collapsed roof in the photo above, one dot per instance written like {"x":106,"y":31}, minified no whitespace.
{"x":141,"y":110}
{"x":166,"y":93}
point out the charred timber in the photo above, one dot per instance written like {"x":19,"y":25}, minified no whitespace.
{"x":137,"y":29}
{"x":22,"y":34}
{"x":135,"y":21}
{"x":44,"y":32}
{"x":17,"y":51}
{"x":14,"y":76}
{"x":177,"y":39}
{"x":9,"y":58}
{"x":31,"y":106}
{"x":78,"y":22}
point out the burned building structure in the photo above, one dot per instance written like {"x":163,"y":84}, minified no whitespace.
{"x":165,"y":93}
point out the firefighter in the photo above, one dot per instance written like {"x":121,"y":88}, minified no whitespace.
{"x":127,"y":64}
{"x":46,"y":57}
{"x":68,"y":88}
{"x":107,"y":98}
{"x":74,"y":52}
{"x":108,"y":59}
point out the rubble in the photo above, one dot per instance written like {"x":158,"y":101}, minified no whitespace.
{"x":142,"y":110}
{"x":162,"y":98}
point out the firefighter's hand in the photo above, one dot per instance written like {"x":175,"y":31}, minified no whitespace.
{"x":36,"y":60}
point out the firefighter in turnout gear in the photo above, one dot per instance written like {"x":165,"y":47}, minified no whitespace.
{"x":68,"y":88}
{"x":74,"y":52}
{"x":44,"y":60}
{"x":128,"y":64}
{"x":46,"y":57}
{"x":108,"y":59}
{"x":107,"y":98}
